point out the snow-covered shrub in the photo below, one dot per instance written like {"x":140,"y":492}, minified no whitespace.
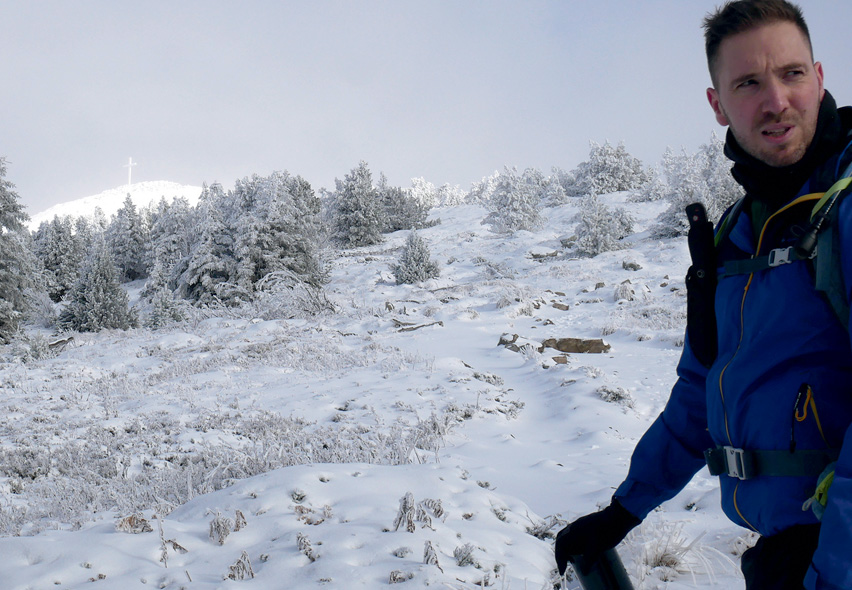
{"x":600,"y":229}
{"x":284,"y":294}
{"x":402,"y":209}
{"x":480,"y":192}
{"x":463,"y":555}
{"x":449,"y":195}
{"x":515,"y":202}
{"x":415,"y":263}
{"x":220,"y":528}
{"x":657,"y":187}
{"x":608,"y":170}
{"x":97,"y":301}
{"x":357,"y":215}
{"x":703,"y":177}
{"x":31,"y":347}
{"x":305,"y":546}
{"x":554,"y":194}
{"x":616,"y":395}
{"x":430,"y":556}
{"x":663,"y":552}
{"x":399,"y":576}
{"x":166,"y":310}
{"x":241,"y":570}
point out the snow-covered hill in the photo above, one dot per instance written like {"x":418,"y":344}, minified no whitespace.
{"x":110,"y":201}
{"x":393,"y":441}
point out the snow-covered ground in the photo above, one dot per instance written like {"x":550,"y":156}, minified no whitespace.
{"x":395,"y":441}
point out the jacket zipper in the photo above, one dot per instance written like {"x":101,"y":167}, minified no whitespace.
{"x":809,"y":197}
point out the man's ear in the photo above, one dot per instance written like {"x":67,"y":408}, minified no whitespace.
{"x":713,"y":99}
{"x":821,"y":78}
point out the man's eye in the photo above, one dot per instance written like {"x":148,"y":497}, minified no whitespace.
{"x":746,"y":83}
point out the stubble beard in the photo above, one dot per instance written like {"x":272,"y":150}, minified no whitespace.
{"x":778,"y":156}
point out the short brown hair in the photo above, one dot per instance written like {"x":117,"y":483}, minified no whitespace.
{"x":739,"y":16}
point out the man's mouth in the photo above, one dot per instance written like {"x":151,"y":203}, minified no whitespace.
{"x":776,"y":132}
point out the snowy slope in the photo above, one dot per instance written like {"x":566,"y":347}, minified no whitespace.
{"x":323,"y":426}
{"x":110,"y":201}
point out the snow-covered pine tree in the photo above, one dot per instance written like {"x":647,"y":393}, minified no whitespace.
{"x":424,"y":192}
{"x":61,"y":253}
{"x":166,"y":309}
{"x":170,"y":239}
{"x":553,"y":195}
{"x":357,"y":213}
{"x":127,"y":238}
{"x":17,"y":262}
{"x":97,"y":301}
{"x":703,"y":177}
{"x":415,"y":263}
{"x":250,"y":200}
{"x":600,"y":229}
{"x":402,"y":209}
{"x":303,"y":236}
{"x":279,"y":228}
{"x":564,"y":178}
{"x":608,"y":170}
{"x":211,"y":266}
{"x":449,"y":196}
{"x":515,"y":202}
{"x":657,"y":188}
{"x":480,"y":193}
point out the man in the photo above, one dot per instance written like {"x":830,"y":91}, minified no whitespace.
{"x":776,"y":399}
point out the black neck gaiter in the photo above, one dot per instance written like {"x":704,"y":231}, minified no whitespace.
{"x":776,"y":186}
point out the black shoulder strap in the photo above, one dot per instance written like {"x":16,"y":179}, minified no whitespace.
{"x":828,"y":270}
{"x":701,"y":286}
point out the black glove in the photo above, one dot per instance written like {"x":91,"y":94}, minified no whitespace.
{"x":594,"y":533}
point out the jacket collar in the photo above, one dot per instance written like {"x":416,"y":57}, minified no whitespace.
{"x":776,"y":186}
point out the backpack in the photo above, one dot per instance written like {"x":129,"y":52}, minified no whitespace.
{"x":820,"y":244}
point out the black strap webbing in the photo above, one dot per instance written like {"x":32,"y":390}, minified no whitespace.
{"x":745,"y":464}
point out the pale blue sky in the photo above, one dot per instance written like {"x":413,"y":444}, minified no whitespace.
{"x":212,"y":91}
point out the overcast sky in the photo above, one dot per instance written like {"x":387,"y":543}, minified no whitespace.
{"x":211,"y":91}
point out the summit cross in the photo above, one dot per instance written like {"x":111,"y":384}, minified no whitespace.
{"x":129,"y":166}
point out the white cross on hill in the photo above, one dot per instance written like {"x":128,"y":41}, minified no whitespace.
{"x":129,"y":166}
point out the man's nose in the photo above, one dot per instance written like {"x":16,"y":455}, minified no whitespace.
{"x":776,"y":97}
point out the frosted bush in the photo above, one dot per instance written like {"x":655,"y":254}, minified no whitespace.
{"x":220,"y":528}
{"x":703,"y":177}
{"x":663,"y":552}
{"x":515,"y":202}
{"x":609,"y":169}
{"x":600,"y":229}
{"x":415,"y":263}
{"x":241,"y":570}
{"x":463,"y":555}
{"x":403,"y":210}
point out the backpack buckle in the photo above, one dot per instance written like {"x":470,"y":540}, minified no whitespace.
{"x":780,"y":256}
{"x":738,"y":463}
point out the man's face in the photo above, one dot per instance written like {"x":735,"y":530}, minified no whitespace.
{"x":768,"y":90}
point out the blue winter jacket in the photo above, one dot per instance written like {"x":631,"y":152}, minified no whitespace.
{"x":775,"y":333}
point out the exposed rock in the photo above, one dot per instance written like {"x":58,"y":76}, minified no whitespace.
{"x":508,"y":339}
{"x":577,"y":345}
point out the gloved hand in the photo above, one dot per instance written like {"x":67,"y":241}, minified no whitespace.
{"x":593,"y":533}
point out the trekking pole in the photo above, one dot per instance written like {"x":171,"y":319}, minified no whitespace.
{"x":601,"y":572}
